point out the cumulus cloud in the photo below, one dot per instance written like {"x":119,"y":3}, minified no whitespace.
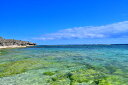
{"x":117,"y":30}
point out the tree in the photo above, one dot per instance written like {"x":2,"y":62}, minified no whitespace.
{"x":1,"y":37}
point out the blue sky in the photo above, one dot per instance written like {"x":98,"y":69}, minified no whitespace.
{"x":65,"y":21}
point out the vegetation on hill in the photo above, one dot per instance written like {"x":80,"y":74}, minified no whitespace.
{"x":9,"y":42}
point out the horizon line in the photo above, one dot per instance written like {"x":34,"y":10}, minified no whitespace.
{"x":79,"y":44}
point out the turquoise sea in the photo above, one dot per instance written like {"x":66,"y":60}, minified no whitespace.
{"x":65,"y":65}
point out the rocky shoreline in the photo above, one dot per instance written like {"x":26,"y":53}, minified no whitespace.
{"x":11,"y":43}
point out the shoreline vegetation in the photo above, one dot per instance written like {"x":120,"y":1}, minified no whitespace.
{"x":11,"y":43}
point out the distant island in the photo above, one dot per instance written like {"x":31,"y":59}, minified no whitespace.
{"x":12,"y":43}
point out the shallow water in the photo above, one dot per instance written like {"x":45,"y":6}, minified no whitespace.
{"x":65,"y":65}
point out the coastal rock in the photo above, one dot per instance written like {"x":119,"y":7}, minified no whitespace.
{"x":12,"y":42}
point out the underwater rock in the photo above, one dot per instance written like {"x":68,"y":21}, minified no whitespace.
{"x":85,"y":77}
{"x":17,"y":67}
{"x":49,"y":73}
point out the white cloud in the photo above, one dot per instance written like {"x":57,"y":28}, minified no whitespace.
{"x":108,"y":31}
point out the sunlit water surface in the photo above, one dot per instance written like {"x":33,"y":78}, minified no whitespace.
{"x":65,"y":65}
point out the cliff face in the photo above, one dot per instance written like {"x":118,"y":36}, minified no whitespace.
{"x":10,"y":42}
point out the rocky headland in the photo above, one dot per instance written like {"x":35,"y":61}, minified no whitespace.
{"x":11,"y":43}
